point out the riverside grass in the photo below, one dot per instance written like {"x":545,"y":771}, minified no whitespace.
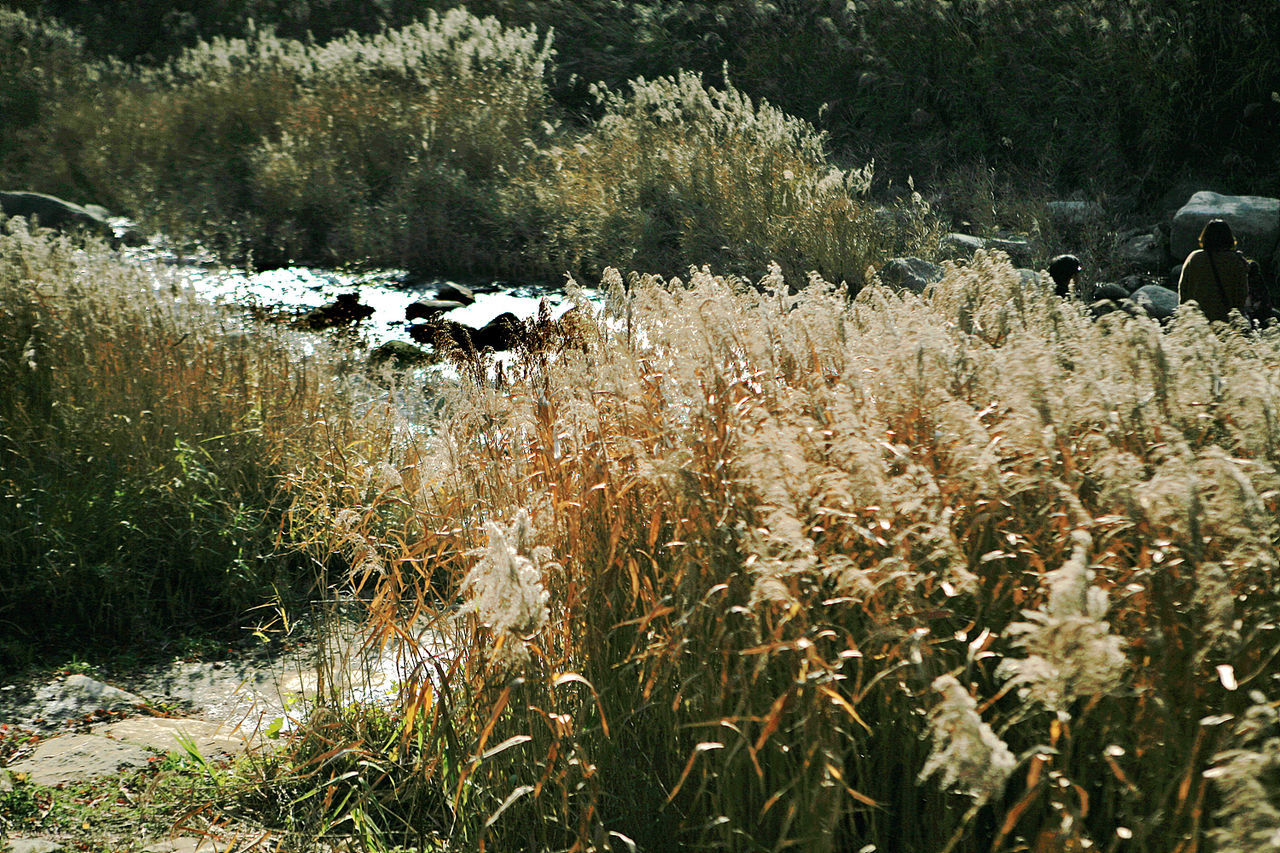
{"x":759,"y":571}
{"x":745,"y":570}
{"x":436,"y":147}
{"x":142,"y":437}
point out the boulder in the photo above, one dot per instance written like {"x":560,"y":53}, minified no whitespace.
{"x":960,"y":245}
{"x":1255,"y":220}
{"x":397,"y":354}
{"x":1017,"y":248}
{"x":913,"y":274}
{"x":1141,"y":253}
{"x":79,"y":757}
{"x":1159,"y":302}
{"x":501,"y":333}
{"x":427,"y":308}
{"x":197,"y":844}
{"x":574,"y":328}
{"x":1110,"y":290}
{"x":213,"y":741}
{"x":347,"y":308}
{"x":1103,"y":307}
{"x":51,"y":212}
{"x":32,"y":845}
{"x":1073,"y":213}
{"x":77,"y":696}
{"x":1137,"y":281}
{"x":452,"y":292}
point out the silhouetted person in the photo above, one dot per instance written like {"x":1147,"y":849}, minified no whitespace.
{"x":1259,"y":296}
{"x":1063,"y":270}
{"x":1215,"y":276}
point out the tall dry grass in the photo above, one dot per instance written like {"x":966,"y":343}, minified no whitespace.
{"x":437,"y":147}
{"x":677,"y":172}
{"x":143,"y":437}
{"x":758,"y":571}
{"x":386,"y":147}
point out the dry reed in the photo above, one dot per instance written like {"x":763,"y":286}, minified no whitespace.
{"x":968,"y":571}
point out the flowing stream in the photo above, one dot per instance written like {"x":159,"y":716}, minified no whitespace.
{"x":388,"y":292}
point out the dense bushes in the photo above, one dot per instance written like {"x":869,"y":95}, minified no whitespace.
{"x":462,"y":145}
{"x":1100,"y":96}
{"x":386,"y":147}
{"x":434,"y":147}
{"x":674,"y":171}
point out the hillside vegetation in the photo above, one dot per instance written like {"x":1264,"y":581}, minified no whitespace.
{"x":530,"y":140}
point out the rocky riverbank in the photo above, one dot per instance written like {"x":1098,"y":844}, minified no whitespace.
{"x":69,"y":736}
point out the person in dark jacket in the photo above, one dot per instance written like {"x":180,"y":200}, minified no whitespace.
{"x":1215,"y":276}
{"x":1063,"y":270}
{"x":1259,"y":296}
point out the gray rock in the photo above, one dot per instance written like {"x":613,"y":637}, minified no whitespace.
{"x":78,"y":695}
{"x":1159,"y":302}
{"x":1028,"y":278}
{"x":960,"y":245}
{"x":397,"y":354}
{"x":345,"y":309}
{"x":52,"y":212}
{"x":212,"y":740}
{"x":914,"y":274}
{"x":75,"y":758}
{"x":1017,"y":248}
{"x":191,"y":844}
{"x":1142,"y":253}
{"x":425,"y":308}
{"x":97,"y":210}
{"x":1255,"y":220}
{"x":1136,"y":281}
{"x":1102,"y":307}
{"x":456,"y":293}
{"x":1110,"y":290}
{"x":32,"y":845}
{"x":1073,"y":213}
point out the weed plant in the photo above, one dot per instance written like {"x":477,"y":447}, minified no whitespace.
{"x":676,"y":171}
{"x":142,"y":437}
{"x":967,"y":571}
{"x":435,"y":147}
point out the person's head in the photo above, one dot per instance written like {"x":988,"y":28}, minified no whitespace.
{"x":1217,"y":236}
{"x":1062,"y":270}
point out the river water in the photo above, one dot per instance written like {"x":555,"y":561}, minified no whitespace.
{"x":295,"y":290}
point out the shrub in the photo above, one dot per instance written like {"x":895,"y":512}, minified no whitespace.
{"x":677,"y":173}
{"x":44,"y":64}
